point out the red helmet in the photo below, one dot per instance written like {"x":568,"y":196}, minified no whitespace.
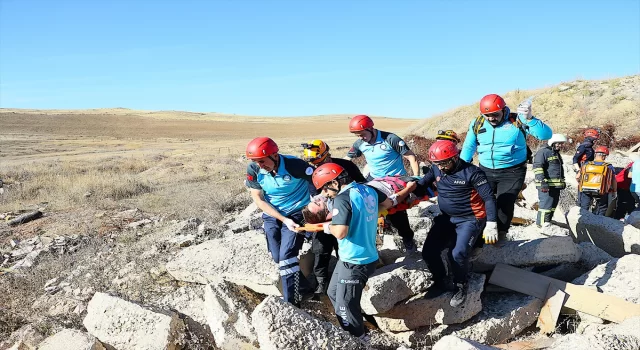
{"x":592,"y":133}
{"x":602,"y":149}
{"x":326,"y":173}
{"x":491,"y":103}
{"x":442,"y":150}
{"x":360,"y":123}
{"x":261,"y":147}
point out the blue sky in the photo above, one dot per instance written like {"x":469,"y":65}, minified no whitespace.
{"x":401,"y":58}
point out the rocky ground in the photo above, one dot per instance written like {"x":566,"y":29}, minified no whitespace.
{"x":151,"y":283}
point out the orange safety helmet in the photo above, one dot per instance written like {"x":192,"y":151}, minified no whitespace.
{"x":327,"y":173}
{"x":602,"y":149}
{"x":261,"y":147}
{"x":442,"y":150}
{"x":491,"y":103}
{"x":592,"y":133}
{"x":360,"y":123}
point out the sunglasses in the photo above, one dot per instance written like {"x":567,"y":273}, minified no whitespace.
{"x":493,"y":115}
{"x":444,"y":163}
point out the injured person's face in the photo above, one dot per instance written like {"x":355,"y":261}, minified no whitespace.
{"x":316,"y":211}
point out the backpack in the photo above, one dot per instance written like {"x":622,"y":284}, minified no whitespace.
{"x":513,"y":118}
{"x":595,"y":178}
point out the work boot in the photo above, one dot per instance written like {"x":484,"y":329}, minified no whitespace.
{"x":321,"y":289}
{"x":439,"y":287}
{"x":365,"y":339}
{"x":460,"y":295}
{"x":409,"y":246}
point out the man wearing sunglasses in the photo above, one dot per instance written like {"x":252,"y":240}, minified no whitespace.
{"x":280,"y":186}
{"x":499,"y":137}
{"x":384,"y":152}
{"x":468,"y":209}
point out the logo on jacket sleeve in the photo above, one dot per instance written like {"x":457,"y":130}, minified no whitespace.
{"x":383,"y":147}
{"x":249,"y":177}
{"x":309,"y":171}
{"x":287,"y":177}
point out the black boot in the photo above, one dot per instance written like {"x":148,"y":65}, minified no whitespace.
{"x":439,"y":287}
{"x":460,"y":295}
{"x":321,"y":288}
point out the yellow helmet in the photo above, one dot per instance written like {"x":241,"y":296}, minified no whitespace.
{"x":315,"y":151}
{"x":448,"y":135}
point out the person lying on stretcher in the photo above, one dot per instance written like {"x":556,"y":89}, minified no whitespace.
{"x":404,"y":191}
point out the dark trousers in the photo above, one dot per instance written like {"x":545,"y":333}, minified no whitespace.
{"x":400,"y":221}
{"x":636,"y":196}
{"x":345,"y":292}
{"x":548,"y":201}
{"x":323,"y":245}
{"x":284,"y":246}
{"x":626,"y":204}
{"x":457,"y":234}
{"x":602,"y":203}
{"x":506,"y":184}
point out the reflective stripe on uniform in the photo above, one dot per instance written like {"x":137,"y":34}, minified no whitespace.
{"x":285,"y":272}
{"x":288,"y":261}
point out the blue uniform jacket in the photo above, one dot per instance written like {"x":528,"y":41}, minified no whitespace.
{"x":503,"y":146}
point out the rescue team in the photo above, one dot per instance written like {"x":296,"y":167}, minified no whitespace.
{"x":477,"y":202}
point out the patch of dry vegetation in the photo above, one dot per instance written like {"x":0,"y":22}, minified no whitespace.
{"x":565,"y":107}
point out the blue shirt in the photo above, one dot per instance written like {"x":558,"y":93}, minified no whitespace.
{"x":288,"y":191}
{"x":384,"y":156}
{"x":357,"y":207}
{"x":635,"y":177}
{"x":504,"y":145}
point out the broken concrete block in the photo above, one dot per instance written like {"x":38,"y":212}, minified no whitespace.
{"x":633,"y":219}
{"x":70,"y":339}
{"x":282,"y":326}
{"x":611,"y":235}
{"x":621,"y":336}
{"x":452,"y":342}
{"x":228,"y":311}
{"x":389,"y":251}
{"x":394,"y":283}
{"x":125,"y":325}
{"x":503,"y":316}
{"x":187,"y":300}
{"x":544,"y":251}
{"x":251,"y":266}
{"x":618,"y":277}
{"x":418,"y":311}
{"x":592,"y":256}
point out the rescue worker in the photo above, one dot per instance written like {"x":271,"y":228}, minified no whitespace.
{"x":384,"y":153}
{"x":468,"y":208}
{"x":280,"y":186}
{"x":317,"y":153}
{"x":500,"y":138}
{"x":601,"y":200}
{"x":626,"y":203}
{"x":585,"y":152}
{"x":549,"y":178}
{"x":448,"y":135}
{"x":634,"y":175}
{"x":354,"y":224}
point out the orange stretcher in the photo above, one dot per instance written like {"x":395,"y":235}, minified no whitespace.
{"x":319,"y":227}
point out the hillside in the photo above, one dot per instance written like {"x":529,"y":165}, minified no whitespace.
{"x":566,"y":106}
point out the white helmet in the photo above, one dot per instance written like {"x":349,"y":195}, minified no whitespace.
{"x":557,"y":138}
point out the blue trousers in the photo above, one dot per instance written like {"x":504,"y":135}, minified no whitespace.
{"x":458,"y":234}
{"x":284,"y":246}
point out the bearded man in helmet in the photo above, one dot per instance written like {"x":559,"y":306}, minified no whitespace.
{"x":549,"y":178}
{"x":468,"y":209}
{"x":280,"y":187}
{"x":354,"y":223}
{"x":384,"y":153}
{"x":500,"y":138}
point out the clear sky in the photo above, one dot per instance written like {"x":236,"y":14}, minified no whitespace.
{"x":397,"y":58}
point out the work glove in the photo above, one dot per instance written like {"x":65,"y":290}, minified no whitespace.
{"x":490,"y":233}
{"x":544,"y":187}
{"x":291,"y":225}
{"x":576,"y":168}
{"x":325,"y":228}
{"x":383,"y":212}
{"x":525,"y":110}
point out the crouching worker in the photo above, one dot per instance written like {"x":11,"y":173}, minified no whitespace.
{"x":354,"y":223}
{"x":468,"y":207}
{"x":279,"y":185}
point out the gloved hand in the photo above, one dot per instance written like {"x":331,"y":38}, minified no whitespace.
{"x":490,"y":233}
{"x":383,"y":212}
{"x":326,"y":229}
{"x":525,"y":110}
{"x":544,"y":187}
{"x":576,"y":168}
{"x":291,"y":225}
